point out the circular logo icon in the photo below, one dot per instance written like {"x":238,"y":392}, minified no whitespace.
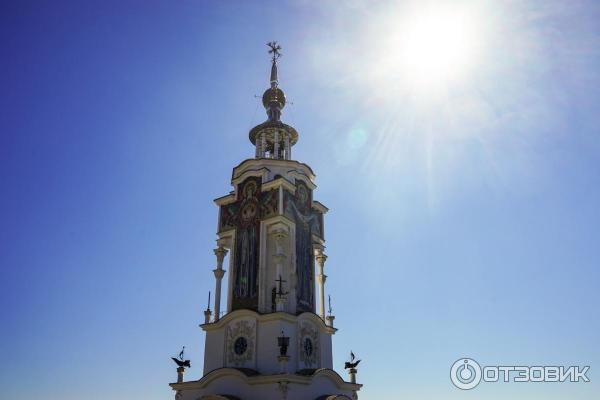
{"x":465,"y":373}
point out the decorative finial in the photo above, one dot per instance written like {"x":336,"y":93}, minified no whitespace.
{"x":207,"y":312}
{"x":181,"y":363}
{"x":329,"y":296}
{"x":351,"y":367}
{"x":351,"y":364}
{"x":274,"y":51}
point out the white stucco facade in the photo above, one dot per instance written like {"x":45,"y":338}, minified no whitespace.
{"x":262,"y":330}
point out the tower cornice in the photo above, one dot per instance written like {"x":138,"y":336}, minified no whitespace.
{"x":257,"y":164}
{"x":266,"y":379}
{"x":274,"y":316}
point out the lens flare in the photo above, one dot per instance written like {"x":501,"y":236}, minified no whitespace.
{"x":432,"y":47}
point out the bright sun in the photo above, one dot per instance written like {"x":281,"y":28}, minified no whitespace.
{"x":434,"y":46}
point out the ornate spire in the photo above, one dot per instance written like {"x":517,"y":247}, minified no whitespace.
{"x":273,"y":138}
{"x":274,"y":98}
{"x":276,"y":54}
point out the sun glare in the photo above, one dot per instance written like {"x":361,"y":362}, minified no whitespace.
{"x":434,"y":46}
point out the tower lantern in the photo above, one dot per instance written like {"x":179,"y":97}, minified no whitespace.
{"x":271,"y":231}
{"x":273,"y":138}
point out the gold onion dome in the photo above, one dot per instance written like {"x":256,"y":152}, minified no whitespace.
{"x":273,"y":97}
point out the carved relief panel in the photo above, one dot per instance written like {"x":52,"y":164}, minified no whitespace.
{"x":308,"y":346}
{"x":240,"y":343}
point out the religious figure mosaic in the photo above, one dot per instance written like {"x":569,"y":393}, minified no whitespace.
{"x":244,"y":215}
{"x":298,"y":207}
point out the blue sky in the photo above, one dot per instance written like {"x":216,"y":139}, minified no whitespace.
{"x":464,"y":207}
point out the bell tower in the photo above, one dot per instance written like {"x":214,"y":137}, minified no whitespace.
{"x":270,"y":341}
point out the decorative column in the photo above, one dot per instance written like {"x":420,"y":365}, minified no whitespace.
{"x":283,"y":362}
{"x":279,"y":258}
{"x":276,"y":145}
{"x":283,"y":388}
{"x":263,"y":144}
{"x":352,"y":372}
{"x":321,"y":277}
{"x":180,"y":372}
{"x":287,"y":147}
{"x":219,"y":272}
{"x":283,"y":342}
{"x":280,"y":302}
{"x":351,"y":367}
{"x":330,"y":319}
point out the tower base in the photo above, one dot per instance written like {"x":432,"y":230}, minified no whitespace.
{"x":247,"y":384}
